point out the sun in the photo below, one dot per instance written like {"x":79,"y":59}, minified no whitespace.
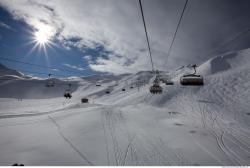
{"x":41,"y":37}
{"x":43,"y":34}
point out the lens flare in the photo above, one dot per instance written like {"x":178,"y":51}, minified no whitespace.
{"x":41,"y":37}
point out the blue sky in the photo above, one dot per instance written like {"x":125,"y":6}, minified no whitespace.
{"x":107,"y":36}
{"x":15,"y":38}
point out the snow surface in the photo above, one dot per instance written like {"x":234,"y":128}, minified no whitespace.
{"x":185,"y":125}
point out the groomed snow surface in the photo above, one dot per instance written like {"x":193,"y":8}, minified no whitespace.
{"x":186,"y":125}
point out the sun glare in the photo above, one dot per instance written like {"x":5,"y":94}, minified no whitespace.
{"x":44,"y":34}
{"x":41,"y":37}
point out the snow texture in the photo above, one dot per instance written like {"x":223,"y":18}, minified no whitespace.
{"x":186,"y":125}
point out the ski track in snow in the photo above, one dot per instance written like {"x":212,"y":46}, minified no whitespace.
{"x":70,"y":143}
{"x":110,"y":119}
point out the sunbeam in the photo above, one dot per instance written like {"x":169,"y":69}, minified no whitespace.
{"x":42,"y":38}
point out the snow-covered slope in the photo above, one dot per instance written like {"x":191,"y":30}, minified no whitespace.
{"x":16,"y":87}
{"x":186,"y":125}
{"x":14,"y":84}
{"x":226,"y":62}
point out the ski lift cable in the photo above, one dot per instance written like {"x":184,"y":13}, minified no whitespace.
{"x":66,"y":82}
{"x":40,"y":66}
{"x":176,"y":31}
{"x":35,"y":72}
{"x":40,"y":81}
{"x":237,"y":36}
{"x":41,"y":73}
{"x":50,"y":67}
{"x":146,"y":33}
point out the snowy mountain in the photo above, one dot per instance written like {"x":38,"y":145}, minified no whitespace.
{"x":186,"y":125}
{"x":6,"y":71}
{"x":16,"y":85}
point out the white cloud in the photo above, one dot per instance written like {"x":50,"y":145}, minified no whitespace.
{"x":4,"y":25}
{"x":74,"y":67}
{"x":88,"y":59}
{"x":117,"y":26}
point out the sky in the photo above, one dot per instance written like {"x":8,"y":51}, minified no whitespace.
{"x":107,"y":36}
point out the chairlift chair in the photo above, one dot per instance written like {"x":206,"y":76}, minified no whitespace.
{"x":108,"y":90}
{"x":84,"y":100}
{"x":169,"y":82}
{"x":98,"y":84}
{"x":67,"y":93}
{"x":192,"y":79}
{"x":50,"y":82}
{"x":162,"y":80}
{"x":156,"y":88}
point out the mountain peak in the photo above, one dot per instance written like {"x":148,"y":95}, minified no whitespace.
{"x":4,"y":70}
{"x":2,"y":66}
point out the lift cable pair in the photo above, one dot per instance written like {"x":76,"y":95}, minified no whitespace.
{"x":156,"y":88}
{"x":190,"y":79}
{"x":41,"y":66}
{"x":194,"y":79}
